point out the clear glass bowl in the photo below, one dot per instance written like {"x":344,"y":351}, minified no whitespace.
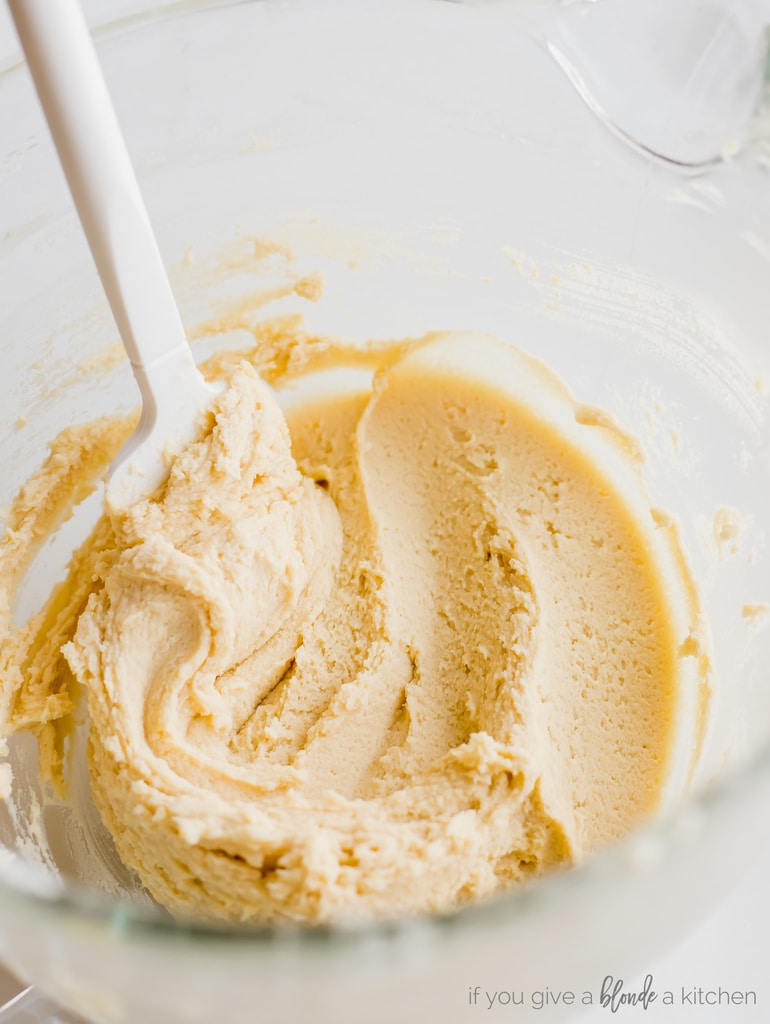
{"x":433,"y":160}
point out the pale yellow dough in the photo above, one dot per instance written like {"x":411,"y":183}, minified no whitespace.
{"x":428,"y":641}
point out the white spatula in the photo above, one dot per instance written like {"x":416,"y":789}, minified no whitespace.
{"x":85,"y":130}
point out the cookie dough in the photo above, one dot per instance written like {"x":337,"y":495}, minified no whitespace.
{"x":424,"y":642}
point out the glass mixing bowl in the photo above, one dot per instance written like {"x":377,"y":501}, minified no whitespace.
{"x":435,"y":163}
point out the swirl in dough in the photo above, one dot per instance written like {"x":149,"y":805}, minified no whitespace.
{"x":425,"y":642}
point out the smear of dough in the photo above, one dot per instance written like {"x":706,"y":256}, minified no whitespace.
{"x":726,"y":529}
{"x":756,"y":614}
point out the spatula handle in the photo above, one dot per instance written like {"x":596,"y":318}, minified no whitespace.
{"x":77,"y":106}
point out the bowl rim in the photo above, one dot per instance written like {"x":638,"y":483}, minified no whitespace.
{"x":60,"y":898}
